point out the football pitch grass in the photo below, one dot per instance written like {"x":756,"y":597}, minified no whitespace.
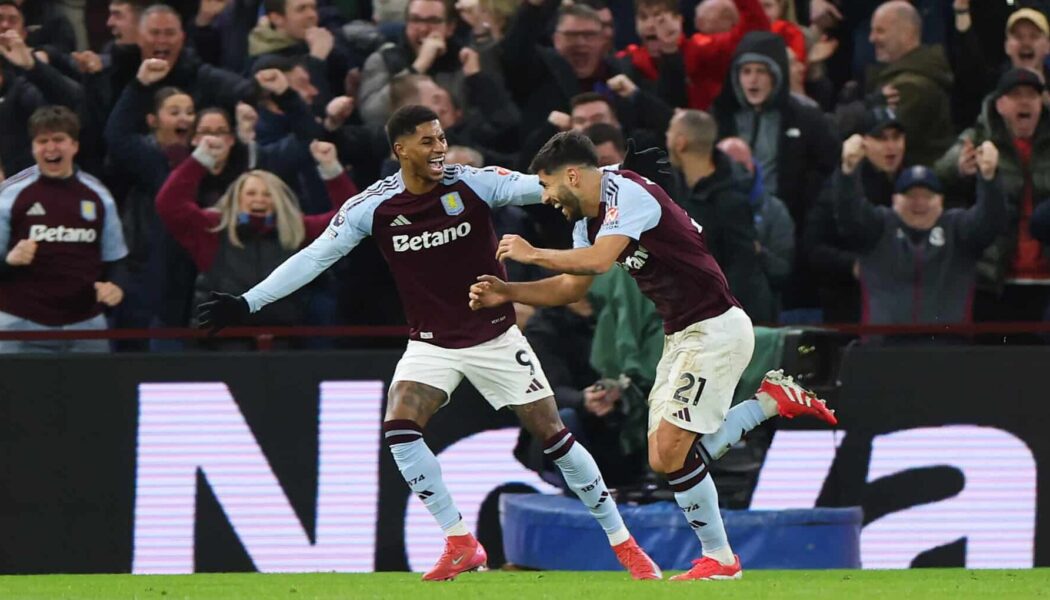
{"x":847,"y":585}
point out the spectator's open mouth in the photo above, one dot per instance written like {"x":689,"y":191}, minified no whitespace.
{"x":53,"y":160}
{"x":161,"y":53}
{"x":579,"y":58}
{"x":1026,"y":55}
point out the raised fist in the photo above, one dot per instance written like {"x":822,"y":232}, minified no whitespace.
{"x":852,"y":153}
{"x":320,"y":42}
{"x":987,"y":160}
{"x":337,"y":112}
{"x":622,"y":86}
{"x":273,"y":81}
{"x":153,"y":70}
{"x":560,"y":120}
{"x":471,"y":61}
{"x":324,"y":153}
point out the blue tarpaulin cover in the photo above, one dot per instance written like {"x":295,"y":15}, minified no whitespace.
{"x":556,"y":532}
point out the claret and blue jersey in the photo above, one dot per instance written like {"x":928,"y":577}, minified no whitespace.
{"x":75,"y":224}
{"x":436,"y":245}
{"x":667,"y":255}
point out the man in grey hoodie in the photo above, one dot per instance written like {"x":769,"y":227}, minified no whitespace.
{"x":793,"y":144}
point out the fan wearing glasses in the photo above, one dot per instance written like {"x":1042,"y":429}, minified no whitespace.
{"x":427,"y":48}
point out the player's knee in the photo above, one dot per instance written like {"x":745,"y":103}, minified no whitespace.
{"x":667,"y":454}
{"x":413,"y":401}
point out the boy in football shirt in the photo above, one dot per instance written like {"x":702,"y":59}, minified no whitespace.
{"x":433,"y":224}
{"x":621,"y":217}
{"x":62,"y":242}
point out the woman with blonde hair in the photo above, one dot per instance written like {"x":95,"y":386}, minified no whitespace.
{"x":255,"y":225}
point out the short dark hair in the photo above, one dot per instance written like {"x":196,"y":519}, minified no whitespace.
{"x":163,"y":94}
{"x":448,"y":11}
{"x":275,"y":6}
{"x":601,"y":133}
{"x":670,"y":6}
{"x":587,"y":98}
{"x":273,"y":61}
{"x":54,"y":119}
{"x":213,"y":110}
{"x":580,"y":11}
{"x":597,"y":5}
{"x":21,"y":13}
{"x":565,"y":148}
{"x":136,"y":5}
{"x":405,"y":120}
{"x":159,"y":9}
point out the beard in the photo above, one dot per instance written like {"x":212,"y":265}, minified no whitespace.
{"x":570,"y":204}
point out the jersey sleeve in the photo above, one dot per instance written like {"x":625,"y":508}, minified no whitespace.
{"x":629,"y":209}
{"x":113,"y":245}
{"x":498,"y":186}
{"x":579,"y":235}
{"x":7,"y":199}
{"x":351,"y":224}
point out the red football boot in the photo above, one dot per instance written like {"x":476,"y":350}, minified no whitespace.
{"x":793,"y":399}
{"x":709,"y":569}
{"x":462,"y":553}
{"x":636,"y":561}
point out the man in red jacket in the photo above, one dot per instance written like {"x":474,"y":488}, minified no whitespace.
{"x":688,"y":71}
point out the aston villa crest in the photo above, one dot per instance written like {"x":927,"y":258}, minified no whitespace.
{"x":452,"y":204}
{"x":87,"y":210}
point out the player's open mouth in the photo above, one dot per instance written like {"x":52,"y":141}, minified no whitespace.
{"x":53,"y":160}
{"x":436,"y":164}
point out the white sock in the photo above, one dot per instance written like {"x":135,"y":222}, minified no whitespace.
{"x":695,"y":493}
{"x":422,"y":472}
{"x":741,"y":419}
{"x":581,"y":473}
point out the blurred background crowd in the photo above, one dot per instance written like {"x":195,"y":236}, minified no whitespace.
{"x":831,"y":151}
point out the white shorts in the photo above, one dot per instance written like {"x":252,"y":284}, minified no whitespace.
{"x":699,"y":371}
{"x":504,"y":370}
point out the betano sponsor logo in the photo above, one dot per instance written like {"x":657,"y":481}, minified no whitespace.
{"x":43,"y":233}
{"x":430,"y":239}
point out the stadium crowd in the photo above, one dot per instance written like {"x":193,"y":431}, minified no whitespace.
{"x":849,"y":162}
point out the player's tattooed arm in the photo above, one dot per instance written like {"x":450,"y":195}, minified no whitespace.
{"x":593,"y":260}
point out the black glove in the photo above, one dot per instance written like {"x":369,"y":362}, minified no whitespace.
{"x":651,"y":163}
{"x":221,"y":310}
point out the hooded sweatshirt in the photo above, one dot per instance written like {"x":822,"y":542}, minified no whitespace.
{"x":760,"y":125}
{"x":794,"y":145}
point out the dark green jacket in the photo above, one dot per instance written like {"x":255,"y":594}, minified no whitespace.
{"x":993,"y":267}
{"x":924,"y":80}
{"x":628,"y":341}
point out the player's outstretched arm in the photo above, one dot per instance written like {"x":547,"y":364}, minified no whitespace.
{"x":559,"y":290}
{"x":592,"y":260}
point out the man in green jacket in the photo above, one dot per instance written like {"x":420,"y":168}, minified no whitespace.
{"x":1016,"y":121}
{"x":915,"y":80}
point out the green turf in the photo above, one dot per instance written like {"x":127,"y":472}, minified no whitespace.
{"x":848,"y":585}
